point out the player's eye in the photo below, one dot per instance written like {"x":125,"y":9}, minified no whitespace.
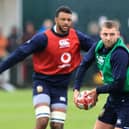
{"x":63,"y":19}
{"x":108,"y":34}
{"x":69,"y":19}
{"x":112,"y":34}
{"x":105,"y":34}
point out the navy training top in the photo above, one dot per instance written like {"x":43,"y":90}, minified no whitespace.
{"x":38,"y":43}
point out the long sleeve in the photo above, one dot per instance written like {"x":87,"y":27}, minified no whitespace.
{"x":86,"y":41}
{"x":37,"y":43}
{"x":86,"y":62}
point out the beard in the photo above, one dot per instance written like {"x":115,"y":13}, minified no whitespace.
{"x":63,"y":31}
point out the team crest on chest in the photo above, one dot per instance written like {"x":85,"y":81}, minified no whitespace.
{"x":64,"y":43}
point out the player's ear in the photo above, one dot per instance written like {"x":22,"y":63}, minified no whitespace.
{"x":118,"y":33}
{"x":55,"y":19}
{"x":100,"y":33}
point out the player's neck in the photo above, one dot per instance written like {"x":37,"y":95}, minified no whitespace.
{"x":56,"y":31}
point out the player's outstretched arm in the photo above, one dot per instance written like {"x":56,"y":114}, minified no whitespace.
{"x":37,"y":43}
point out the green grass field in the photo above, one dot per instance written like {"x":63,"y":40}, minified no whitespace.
{"x":16,"y":112}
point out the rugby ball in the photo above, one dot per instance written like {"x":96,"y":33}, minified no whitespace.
{"x":84,"y":101}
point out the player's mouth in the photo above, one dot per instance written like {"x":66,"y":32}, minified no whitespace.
{"x":65,"y":27}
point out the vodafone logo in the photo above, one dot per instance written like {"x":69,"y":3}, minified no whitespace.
{"x":66,"y":57}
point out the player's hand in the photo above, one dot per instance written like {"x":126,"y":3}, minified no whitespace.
{"x":94,"y":95}
{"x":75,"y":96}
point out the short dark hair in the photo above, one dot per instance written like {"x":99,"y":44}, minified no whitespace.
{"x":110,"y":24}
{"x":64,"y":9}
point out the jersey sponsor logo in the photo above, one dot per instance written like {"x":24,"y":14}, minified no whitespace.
{"x":64,"y":43}
{"x":64,"y":65}
{"x":100,"y":60}
{"x":65,"y":59}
